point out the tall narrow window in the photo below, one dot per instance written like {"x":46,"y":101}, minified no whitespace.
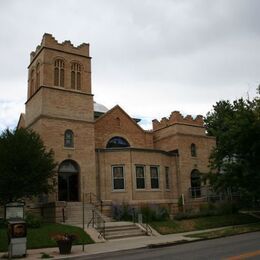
{"x":68,"y":139}
{"x":38,"y":76}
{"x":154,"y":173}
{"x":118,"y":177}
{"x":75,"y":76}
{"x":167,"y":179}
{"x":193,"y":150}
{"x":195,"y":184}
{"x":59,"y":73}
{"x":140,"y":178}
{"x":32,"y":83}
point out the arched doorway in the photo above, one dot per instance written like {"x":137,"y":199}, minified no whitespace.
{"x":195,"y":180}
{"x":68,"y":181}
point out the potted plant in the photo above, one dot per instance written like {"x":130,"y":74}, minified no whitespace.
{"x":64,"y":242}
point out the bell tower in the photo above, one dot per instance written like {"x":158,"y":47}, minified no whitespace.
{"x":59,"y":81}
{"x":59,"y":101}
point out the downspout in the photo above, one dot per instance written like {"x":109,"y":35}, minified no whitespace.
{"x":131,"y":172}
{"x":178,"y":175}
{"x":98,"y":175}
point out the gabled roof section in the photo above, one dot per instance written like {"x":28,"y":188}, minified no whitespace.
{"x":21,"y":122}
{"x":117,"y":107}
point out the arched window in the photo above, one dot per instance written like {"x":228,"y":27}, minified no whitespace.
{"x":38,"y":75}
{"x":117,"y":141}
{"x":195,"y":180}
{"x":59,"y":73}
{"x":32,"y":83}
{"x":75,"y":76}
{"x":68,"y":138}
{"x":193,"y":150}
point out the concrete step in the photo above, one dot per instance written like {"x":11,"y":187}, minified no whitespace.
{"x":121,"y":237}
{"x":122,"y":230}
{"x":75,"y":211}
{"x":79,"y":208}
{"x":80,"y":215}
{"x":110,"y":236}
{"x":116,"y":229}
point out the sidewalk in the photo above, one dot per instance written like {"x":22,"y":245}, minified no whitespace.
{"x":114,"y":245}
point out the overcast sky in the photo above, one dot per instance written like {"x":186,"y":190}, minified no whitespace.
{"x":151,"y":57}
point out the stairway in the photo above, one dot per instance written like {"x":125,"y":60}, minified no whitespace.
{"x":113,"y":230}
{"x":116,"y":230}
{"x":74,"y":213}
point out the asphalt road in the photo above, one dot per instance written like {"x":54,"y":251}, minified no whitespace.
{"x":246,"y":246}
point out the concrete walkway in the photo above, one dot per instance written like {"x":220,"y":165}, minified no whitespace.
{"x":114,"y":245}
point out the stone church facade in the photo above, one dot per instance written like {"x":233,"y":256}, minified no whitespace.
{"x":105,"y":152}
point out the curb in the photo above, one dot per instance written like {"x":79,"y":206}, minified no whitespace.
{"x":185,"y":241}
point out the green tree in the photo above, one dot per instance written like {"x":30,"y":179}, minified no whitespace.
{"x":26,"y":168}
{"x":236,"y":157}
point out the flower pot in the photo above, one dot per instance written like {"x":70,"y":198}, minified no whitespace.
{"x":64,"y":246}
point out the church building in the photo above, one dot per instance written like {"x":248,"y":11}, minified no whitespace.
{"x":105,"y":152}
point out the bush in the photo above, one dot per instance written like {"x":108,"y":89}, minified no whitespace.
{"x":154,"y":213}
{"x":33,"y":221}
{"x":149,"y":212}
{"x":122,"y":212}
{"x":209,"y":209}
{"x":227,"y":208}
{"x":2,"y":223}
{"x":187,"y":215}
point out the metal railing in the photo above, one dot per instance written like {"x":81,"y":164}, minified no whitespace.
{"x":92,"y":198}
{"x":98,"y":222}
{"x":207,"y":193}
{"x":138,"y":218}
{"x":148,"y":230}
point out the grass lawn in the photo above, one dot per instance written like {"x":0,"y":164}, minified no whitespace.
{"x":229,"y":231}
{"x":40,"y":237}
{"x":177,"y":226}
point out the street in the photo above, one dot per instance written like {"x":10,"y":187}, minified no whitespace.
{"x":230,"y":248}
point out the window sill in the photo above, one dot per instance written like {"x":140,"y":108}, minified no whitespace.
{"x":69,"y":148}
{"x":123,"y":191}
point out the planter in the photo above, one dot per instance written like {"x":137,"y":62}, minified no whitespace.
{"x":65,"y":246}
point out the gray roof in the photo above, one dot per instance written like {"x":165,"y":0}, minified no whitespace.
{"x":100,"y":108}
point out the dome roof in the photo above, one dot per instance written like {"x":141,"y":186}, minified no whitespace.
{"x":100,"y":108}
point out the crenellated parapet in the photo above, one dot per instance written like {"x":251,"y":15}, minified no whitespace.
{"x":177,"y":118}
{"x":48,"y":41}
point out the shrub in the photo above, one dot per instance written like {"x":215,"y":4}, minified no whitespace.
{"x":154,"y":213}
{"x":225,"y":208}
{"x":33,"y":221}
{"x":122,"y":212}
{"x":209,"y":209}
{"x":149,"y":212}
{"x":2,"y":223}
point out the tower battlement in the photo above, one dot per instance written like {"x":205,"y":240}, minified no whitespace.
{"x":48,"y":41}
{"x":175,"y":118}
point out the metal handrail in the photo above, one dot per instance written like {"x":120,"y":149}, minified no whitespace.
{"x":147,"y":228}
{"x":93,"y":199}
{"x":98,"y":222}
{"x":209,"y":193}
